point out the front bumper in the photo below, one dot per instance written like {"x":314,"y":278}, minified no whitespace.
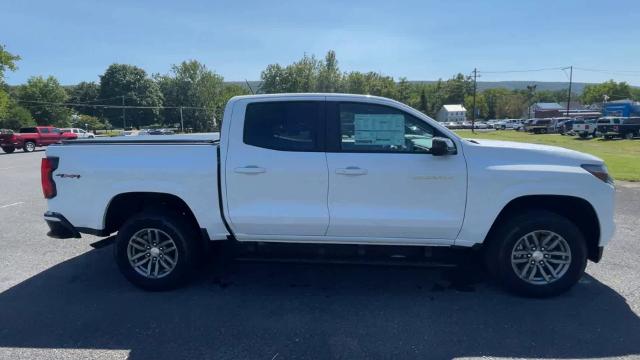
{"x":60,"y":227}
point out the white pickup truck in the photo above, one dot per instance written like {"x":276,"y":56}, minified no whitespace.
{"x":333,"y":169}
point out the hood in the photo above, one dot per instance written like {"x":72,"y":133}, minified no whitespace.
{"x":535,"y":153}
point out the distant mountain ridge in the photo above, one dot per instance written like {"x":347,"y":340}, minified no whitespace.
{"x":576,"y":87}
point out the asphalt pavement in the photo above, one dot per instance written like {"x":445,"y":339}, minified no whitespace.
{"x":66,"y":299}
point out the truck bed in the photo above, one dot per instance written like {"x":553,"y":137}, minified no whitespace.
{"x":93,"y":172}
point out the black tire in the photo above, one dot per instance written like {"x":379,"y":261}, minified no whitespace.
{"x":628,"y":136}
{"x":184,"y":237}
{"x":583,"y":135}
{"x":503,"y":241}
{"x":8,"y":149}
{"x":29,"y":146}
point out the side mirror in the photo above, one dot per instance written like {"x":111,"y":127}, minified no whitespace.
{"x":442,"y":146}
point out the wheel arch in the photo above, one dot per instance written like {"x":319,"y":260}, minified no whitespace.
{"x":124,"y":205}
{"x":576,"y":209}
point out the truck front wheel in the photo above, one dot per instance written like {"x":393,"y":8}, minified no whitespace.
{"x":537,"y":254}
{"x":29,"y":146}
{"x":156,"y":251}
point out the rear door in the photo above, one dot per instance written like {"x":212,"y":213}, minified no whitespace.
{"x":47,"y":137}
{"x":276,"y":169}
{"x":384,"y":185}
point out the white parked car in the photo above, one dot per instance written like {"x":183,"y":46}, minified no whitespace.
{"x":372,"y":171}
{"x":82,"y":134}
{"x":508,"y":124}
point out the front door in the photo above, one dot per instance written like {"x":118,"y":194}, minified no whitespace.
{"x":276,"y":170}
{"x":383,"y":182}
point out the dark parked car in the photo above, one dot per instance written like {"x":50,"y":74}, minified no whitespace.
{"x":542,"y":126}
{"x":160,"y":132}
{"x":565,"y":126}
{"x":626,"y":128}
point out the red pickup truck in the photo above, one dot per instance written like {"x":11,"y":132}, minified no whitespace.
{"x":30,"y":137}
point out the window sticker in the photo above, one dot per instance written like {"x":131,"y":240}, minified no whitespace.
{"x":379,"y":129}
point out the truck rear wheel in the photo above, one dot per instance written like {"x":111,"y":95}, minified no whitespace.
{"x":628,"y":136}
{"x":537,"y":254}
{"x":8,"y":149}
{"x":156,"y":251}
{"x":29,"y":146}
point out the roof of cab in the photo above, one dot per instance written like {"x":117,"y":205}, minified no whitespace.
{"x":309,"y":95}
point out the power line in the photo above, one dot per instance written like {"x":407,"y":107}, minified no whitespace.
{"x":604,"y":70}
{"x":521,"y":71}
{"x":611,"y":72}
{"x":111,"y":98}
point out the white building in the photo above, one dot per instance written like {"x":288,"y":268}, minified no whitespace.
{"x":454,"y":112}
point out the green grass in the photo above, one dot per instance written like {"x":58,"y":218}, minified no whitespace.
{"x":621,"y":156}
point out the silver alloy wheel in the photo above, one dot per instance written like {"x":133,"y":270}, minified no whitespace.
{"x":30,"y":146}
{"x":541,"y":257}
{"x":152,"y":253}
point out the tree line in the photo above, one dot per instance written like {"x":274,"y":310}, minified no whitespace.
{"x":192,"y":92}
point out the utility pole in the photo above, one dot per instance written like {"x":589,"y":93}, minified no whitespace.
{"x":124,"y":119}
{"x":475,"y":87}
{"x":570,"y":81}
{"x":181,"y":120}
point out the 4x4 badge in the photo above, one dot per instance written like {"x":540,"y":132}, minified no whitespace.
{"x":69,"y":176}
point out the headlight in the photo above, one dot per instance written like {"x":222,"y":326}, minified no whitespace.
{"x":599,"y":171}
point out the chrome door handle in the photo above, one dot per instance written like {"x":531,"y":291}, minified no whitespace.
{"x":249,"y":169}
{"x":351,"y":170}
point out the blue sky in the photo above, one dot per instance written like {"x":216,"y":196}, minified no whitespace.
{"x":421,"y":40}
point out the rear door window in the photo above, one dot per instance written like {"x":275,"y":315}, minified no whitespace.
{"x":285,"y":125}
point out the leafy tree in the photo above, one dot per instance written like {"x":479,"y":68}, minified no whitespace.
{"x":138,"y":90}
{"x":404,"y":90}
{"x":4,"y":103}
{"x":329,"y":76}
{"x":41,"y":96}
{"x":86,"y":92}
{"x":301,"y":76}
{"x":89,"y":122}
{"x":615,"y":91}
{"x":370,"y":83}
{"x":273,"y":79}
{"x":191,"y":84}
{"x":16,"y":117}
{"x":482,"y":109}
{"x":228,"y":91}
{"x":424,"y":102}
{"x":7,"y":62}
{"x":456,"y":88}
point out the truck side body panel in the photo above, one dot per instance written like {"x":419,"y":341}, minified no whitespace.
{"x":88,"y":177}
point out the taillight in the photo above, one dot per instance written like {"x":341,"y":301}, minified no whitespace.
{"x":47,"y":167}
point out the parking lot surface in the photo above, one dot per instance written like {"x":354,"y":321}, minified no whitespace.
{"x":66,"y":299}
